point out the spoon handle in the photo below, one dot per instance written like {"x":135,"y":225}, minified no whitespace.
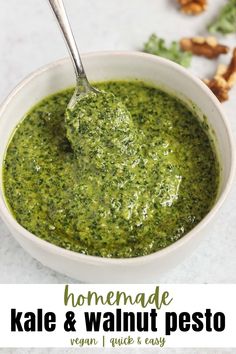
{"x":62,"y":19}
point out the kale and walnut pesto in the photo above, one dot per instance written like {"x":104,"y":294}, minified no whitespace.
{"x":111,"y":186}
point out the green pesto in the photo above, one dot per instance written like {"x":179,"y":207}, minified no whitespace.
{"x":130,"y":187}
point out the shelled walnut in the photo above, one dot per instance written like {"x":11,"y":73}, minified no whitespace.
{"x":207,"y":47}
{"x":192,"y":7}
{"x":219,"y":87}
{"x":229,"y":73}
{"x":223,"y":80}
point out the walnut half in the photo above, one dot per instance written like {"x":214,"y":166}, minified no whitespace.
{"x":207,"y":47}
{"x":219,"y":87}
{"x":223,"y":80}
{"x":192,"y":7}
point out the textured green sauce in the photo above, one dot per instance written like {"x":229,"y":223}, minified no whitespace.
{"x":130,"y":187}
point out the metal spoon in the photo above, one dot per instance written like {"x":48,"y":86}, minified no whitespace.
{"x":104,"y":116}
{"x":82,"y":84}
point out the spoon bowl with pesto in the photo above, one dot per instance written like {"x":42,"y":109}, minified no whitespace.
{"x":125,"y":210}
{"x":90,"y":109}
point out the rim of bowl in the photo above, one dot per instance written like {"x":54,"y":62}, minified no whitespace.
{"x":96,"y":260}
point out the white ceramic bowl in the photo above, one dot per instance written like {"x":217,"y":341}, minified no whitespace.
{"x":105,"y":66}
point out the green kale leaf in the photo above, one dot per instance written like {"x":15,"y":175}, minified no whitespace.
{"x":157,"y":46}
{"x":225,"y":23}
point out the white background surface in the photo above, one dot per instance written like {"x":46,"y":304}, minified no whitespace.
{"x":29,"y":38}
